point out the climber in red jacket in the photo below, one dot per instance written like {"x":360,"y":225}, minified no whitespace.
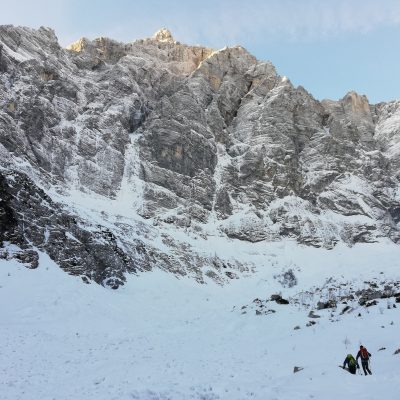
{"x":364,"y":355}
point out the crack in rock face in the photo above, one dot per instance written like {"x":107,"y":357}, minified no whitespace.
{"x":182,"y":141}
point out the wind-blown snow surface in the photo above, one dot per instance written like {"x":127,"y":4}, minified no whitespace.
{"x":160,"y":337}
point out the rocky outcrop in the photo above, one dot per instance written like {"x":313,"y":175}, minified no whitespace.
{"x":194,"y":141}
{"x":164,"y":35}
{"x":33,"y":220}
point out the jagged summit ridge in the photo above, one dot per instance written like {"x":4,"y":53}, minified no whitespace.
{"x":157,"y":140}
{"x":162,"y":35}
{"x":161,"y":48}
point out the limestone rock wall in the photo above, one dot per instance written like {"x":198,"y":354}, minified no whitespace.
{"x":204,"y":142}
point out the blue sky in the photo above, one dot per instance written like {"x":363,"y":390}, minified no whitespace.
{"x":328,"y":46}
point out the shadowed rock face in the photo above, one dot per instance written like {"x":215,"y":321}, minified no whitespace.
{"x":8,"y":221}
{"x":30,"y":218}
{"x":199,"y":138}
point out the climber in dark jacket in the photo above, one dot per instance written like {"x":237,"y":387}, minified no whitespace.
{"x":364,"y":355}
{"x":352,"y":363}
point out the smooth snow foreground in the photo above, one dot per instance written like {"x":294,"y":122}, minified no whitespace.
{"x":160,"y":337}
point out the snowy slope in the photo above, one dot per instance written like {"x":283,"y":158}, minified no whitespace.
{"x":159,"y":337}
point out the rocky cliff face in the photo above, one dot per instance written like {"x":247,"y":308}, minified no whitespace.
{"x":117,"y":156}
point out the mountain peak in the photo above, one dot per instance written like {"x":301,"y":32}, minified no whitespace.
{"x":79,"y":45}
{"x":163,"y":35}
{"x":357,"y":103}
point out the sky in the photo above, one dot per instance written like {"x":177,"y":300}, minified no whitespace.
{"x":327,"y":46}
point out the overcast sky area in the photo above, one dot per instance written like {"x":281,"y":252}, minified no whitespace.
{"x":328,"y":46}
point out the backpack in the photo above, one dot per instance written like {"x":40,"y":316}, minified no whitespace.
{"x":364,"y":353}
{"x":351,"y":360}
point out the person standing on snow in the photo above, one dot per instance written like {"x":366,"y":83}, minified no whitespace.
{"x":364,"y":355}
{"x":352,"y":363}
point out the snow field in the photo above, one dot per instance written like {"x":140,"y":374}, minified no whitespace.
{"x":160,"y":337}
